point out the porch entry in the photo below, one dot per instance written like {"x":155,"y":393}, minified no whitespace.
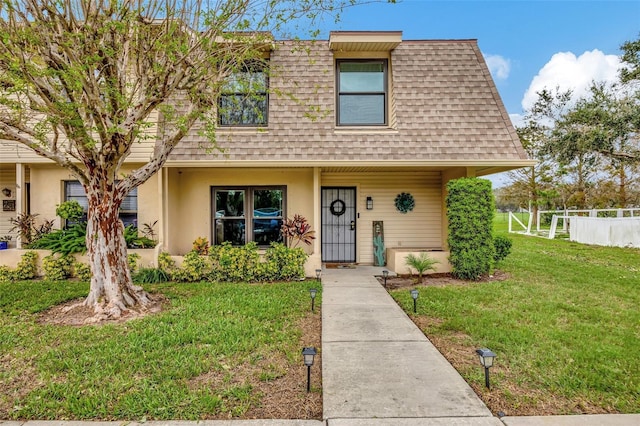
{"x":338,"y":224}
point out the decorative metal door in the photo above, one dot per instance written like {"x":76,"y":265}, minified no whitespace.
{"x":339,"y":225}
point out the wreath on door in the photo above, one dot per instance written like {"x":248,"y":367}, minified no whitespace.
{"x":405,"y":202}
{"x":338,"y":207}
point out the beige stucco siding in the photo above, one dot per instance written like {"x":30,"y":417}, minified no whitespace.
{"x":47,"y":189}
{"x":189,"y":209}
{"x":418,"y":228}
{"x":7,"y":180}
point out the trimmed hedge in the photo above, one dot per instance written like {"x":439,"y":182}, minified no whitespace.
{"x":470,"y":210}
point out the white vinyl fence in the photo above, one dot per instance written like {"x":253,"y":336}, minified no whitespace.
{"x":617,"y":232}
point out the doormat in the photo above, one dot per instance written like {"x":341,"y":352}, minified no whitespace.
{"x":340,"y":266}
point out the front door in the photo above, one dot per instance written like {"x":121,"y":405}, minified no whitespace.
{"x":339,"y":225}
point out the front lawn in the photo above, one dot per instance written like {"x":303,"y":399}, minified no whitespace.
{"x":216,"y":351}
{"x":565,"y":327}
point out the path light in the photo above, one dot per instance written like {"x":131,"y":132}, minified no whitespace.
{"x":486,"y":360}
{"x":385,"y":274}
{"x":313,"y":292}
{"x":318,"y":274}
{"x":414,"y":296}
{"x":308,"y":354}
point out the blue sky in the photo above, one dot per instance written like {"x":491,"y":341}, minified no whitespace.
{"x":528,"y":44}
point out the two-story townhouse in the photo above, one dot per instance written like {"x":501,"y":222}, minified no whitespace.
{"x":339,"y":129}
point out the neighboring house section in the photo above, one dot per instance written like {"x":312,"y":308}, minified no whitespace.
{"x":333,"y":130}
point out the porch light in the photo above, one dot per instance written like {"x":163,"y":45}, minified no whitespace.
{"x":486,"y":360}
{"x":312,"y":293}
{"x":385,"y":274}
{"x":318,"y":274}
{"x":414,"y":296}
{"x":308,"y":354}
{"x":369,"y":203}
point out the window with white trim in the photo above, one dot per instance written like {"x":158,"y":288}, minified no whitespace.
{"x":251,"y":213}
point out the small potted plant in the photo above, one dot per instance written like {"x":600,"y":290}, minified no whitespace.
{"x":4,"y":242}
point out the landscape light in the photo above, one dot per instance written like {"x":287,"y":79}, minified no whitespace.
{"x":313,"y":292}
{"x":414,"y":296}
{"x":486,"y":360}
{"x":318,"y":274}
{"x":385,"y":274}
{"x":308,"y":354}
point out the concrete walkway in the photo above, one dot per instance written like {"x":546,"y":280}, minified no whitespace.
{"x":378,"y":368}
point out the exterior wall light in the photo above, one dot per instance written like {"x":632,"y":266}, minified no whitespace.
{"x":414,"y":296}
{"x":385,"y":274}
{"x":369,"y":203}
{"x":486,"y":360}
{"x":312,"y":293}
{"x":308,"y":354}
{"x":7,"y":192}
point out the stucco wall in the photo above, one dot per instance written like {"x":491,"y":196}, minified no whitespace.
{"x":47,"y":191}
{"x":190,"y":214}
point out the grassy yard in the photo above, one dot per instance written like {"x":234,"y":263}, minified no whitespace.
{"x":565,"y":326}
{"x":216,"y":351}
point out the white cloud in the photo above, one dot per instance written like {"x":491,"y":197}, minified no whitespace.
{"x":517,"y":119}
{"x":498,"y":66}
{"x":566,"y":71}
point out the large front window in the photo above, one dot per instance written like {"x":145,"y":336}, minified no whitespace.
{"x":248,"y":214}
{"x":244,"y":98}
{"x":362,"y":92}
{"x":74,"y":191}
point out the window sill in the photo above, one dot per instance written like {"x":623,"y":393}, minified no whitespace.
{"x":243,"y":129}
{"x":364,"y":130}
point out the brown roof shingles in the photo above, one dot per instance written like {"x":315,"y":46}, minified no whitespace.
{"x":446,"y":108}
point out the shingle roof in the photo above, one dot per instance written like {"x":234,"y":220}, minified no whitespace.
{"x":447,"y":108}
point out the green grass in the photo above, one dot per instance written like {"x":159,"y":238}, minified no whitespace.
{"x":565,"y":326}
{"x":150,"y":368}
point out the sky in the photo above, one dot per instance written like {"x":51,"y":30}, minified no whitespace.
{"x":528,"y":44}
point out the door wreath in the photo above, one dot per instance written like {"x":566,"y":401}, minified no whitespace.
{"x":405,"y":202}
{"x":337,"y":207}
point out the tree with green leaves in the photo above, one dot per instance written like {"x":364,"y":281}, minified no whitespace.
{"x":82,"y":81}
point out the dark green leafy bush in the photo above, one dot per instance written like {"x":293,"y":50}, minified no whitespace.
{"x":470,"y":211}
{"x":150,"y":276}
{"x":502,"y":246}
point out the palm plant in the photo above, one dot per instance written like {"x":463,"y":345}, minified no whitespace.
{"x":421,"y":263}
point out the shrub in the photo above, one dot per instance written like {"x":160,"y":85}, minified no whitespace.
{"x":166,"y":264}
{"x":194,"y":268}
{"x":234,"y":264}
{"x":133,"y":240}
{"x":132,"y":261}
{"x":470,"y":211}
{"x":27,"y":268}
{"x":288,"y":261}
{"x":296,"y":230}
{"x":64,"y":241}
{"x":57,"y":267}
{"x":421,"y":263}
{"x":70,"y":210}
{"x":82,"y":271}
{"x":201,"y":245}
{"x":502,"y":246}
{"x":6,"y":274}
{"x":151,"y":276}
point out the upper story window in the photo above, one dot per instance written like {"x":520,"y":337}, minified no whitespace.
{"x":362,"y":92}
{"x":73,"y":190}
{"x":244,"y":98}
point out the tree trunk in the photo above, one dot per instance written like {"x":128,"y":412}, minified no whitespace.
{"x":112,"y":291}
